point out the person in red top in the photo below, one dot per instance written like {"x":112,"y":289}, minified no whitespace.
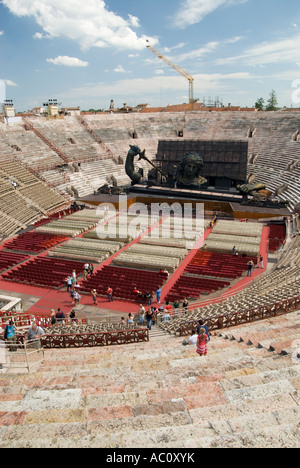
{"x":168,"y":307}
{"x":110,"y":294}
{"x":202,"y":343}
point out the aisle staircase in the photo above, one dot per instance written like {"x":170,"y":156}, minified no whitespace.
{"x":157,"y":394}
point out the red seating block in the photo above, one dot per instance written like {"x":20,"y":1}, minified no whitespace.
{"x":45,"y":271}
{"x":123,"y":281}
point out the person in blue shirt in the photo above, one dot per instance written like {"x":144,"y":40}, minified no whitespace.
{"x":201,"y":325}
{"x":10,"y":334}
{"x":158,"y":295}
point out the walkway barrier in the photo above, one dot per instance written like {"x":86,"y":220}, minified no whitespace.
{"x":245,"y":316}
{"x":21,"y":354}
{"x":91,"y":340}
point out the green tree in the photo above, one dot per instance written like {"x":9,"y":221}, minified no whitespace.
{"x":272,"y":102}
{"x":260,"y":104}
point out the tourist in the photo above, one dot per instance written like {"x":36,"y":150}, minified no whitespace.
{"x":10,"y":335}
{"x":185,"y":305}
{"x":72,"y":294}
{"x":158,"y":295}
{"x":250,"y":267}
{"x":122,"y":322}
{"x":202,"y":342}
{"x":166,"y":317}
{"x":74,"y":277}
{"x":176,"y":305}
{"x":94,"y":295}
{"x":149,"y":318}
{"x":261,"y":262}
{"x":60,"y":317}
{"x":73,"y":316}
{"x":85,"y":274}
{"x":77,"y":297}
{"x":142,"y":314}
{"x":110,"y":294}
{"x":193,"y":338}
{"x":149,"y":298}
{"x":233,"y":250}
{"x":201,"y":325}
{"x":91,"y":269}
{"x":53,"y":317}
{"x":69,"y":283}
{"x":168,"y":307}
{"x":34,"y":334}
{"x":130,"y":319}
{"x":154,"y":318}
{"x":86,"y":268}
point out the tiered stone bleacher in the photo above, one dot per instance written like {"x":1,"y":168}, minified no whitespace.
{"x":25,"y":203}
{"x":273,"y":151}
{"x":28,"y":148}
{"x":163,"y":396}
{"x":275,"y":287}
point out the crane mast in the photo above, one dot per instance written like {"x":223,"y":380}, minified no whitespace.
{"x":179,"y":70}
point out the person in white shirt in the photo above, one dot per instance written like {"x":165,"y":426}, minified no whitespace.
{"x":193,"y":338}
{"x":34,"y":334}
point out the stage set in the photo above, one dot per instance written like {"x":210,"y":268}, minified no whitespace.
{"x":214,"y":173}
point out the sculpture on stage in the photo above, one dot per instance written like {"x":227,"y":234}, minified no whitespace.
{"x":188,"y":174}
{"x":137,"y":176}
{"x":250,"y":189}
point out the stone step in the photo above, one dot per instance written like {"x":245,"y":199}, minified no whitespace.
{"x":155,"y":394}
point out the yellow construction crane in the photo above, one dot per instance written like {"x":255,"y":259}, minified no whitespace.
{"x":179,"y":70}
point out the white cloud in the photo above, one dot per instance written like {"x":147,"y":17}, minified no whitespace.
{"x":284,"y":50}
{"x":10,"y":83}
{"x":120,"y":69}
{"x":134,"y":21}
{"x":147,"y":87}
{"x":206,"y":49}
{"x":1,"y":33}
{"x":90,"y":23}
{"x":39,"y":35}
{"x":68,"y":61}
{"x":178,"y":46}
{"x":194,"y":11}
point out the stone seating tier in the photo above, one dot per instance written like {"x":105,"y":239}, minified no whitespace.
{"x":237,"y":396}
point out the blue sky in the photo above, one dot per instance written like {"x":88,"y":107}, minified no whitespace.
{"x":88,"y":52}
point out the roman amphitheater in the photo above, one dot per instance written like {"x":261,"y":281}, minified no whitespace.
{"x":103,"y":382}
